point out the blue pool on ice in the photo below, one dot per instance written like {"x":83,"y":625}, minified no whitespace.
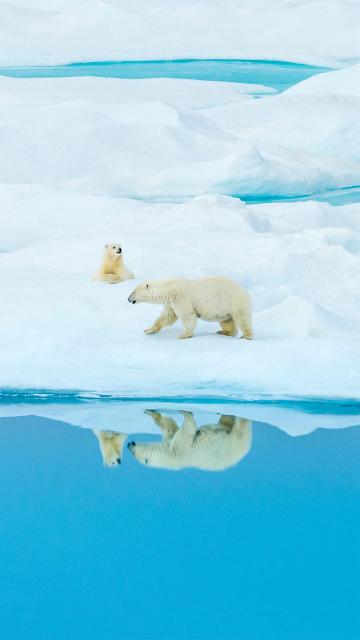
{"x":335,"y":197}
{"x":279,"y":75}
{"x":265,"y":549}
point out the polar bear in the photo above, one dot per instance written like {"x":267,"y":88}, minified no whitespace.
{"x":111,"y":446}
{"x":214,"y":299}
{"x":113,"y":269}
{"x":212,"y":447}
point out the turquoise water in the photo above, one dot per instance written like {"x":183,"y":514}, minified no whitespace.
{"x":265,"y":549}
{"x":278,"y":75}
{"x":335,"y":197}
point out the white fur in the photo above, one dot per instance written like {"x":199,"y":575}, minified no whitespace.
{"x":214,"y":299}
{"x":113,"y":269}
{"x":213,"y":447}
{"x":111,"y":446}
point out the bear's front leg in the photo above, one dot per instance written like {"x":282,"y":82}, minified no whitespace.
{"x":189,"y":322}
{"x":165,"y":319}
{"x":167,"y":425}
{"x":110,"y":278}
{"x":189,"y":424}
{"x":153,"y":329}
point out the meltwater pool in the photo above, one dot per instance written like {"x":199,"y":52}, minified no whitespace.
{"x":157,"y":521}
{"x":276,"y":74}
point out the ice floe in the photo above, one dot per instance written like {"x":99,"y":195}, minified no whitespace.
{"x":92,"y":160}
{"x":60,"y":331}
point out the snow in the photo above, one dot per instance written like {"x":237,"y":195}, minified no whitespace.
{"x":344,"y":81}
{"x":61,"y":331}
{"x":315,"y":118}
{"x":178,"y":138}
{"x":149,"y":163}
{"x":321,"y":32}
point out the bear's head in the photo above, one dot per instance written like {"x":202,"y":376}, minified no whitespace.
{"x":142,"y":293}
{"x":113,"y":250}
{"x":150,"y":454}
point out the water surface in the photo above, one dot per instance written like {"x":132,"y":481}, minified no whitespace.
{"x":335,"y":197}
{"x":267,"y":548}
{"x":278,"y":75}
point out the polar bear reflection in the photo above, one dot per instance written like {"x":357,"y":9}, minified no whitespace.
{"x":111,"y":446}
{"x":212,"y":447}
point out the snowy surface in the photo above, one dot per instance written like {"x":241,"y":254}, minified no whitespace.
{"x":42,"y":32}
{"x":167,"y":138}
{"x":300,"y":262}
{"x":81,"y":157}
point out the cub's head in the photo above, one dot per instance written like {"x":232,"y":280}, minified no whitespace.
{"x":142,"y":293}
{"x":111,"y":446}
{"x":113,"y":250}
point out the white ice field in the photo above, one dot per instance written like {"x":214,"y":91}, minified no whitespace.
{"x":153,"y":164}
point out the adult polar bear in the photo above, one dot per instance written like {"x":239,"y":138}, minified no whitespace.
{"x":212,"y":447}
{"x":213,"y":299}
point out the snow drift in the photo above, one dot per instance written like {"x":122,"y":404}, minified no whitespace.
{"x":164,"y":139}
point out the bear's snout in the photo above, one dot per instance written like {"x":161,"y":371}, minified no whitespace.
{"x":131,"y":446}
{"x":131,"y":298}
{"x":119,"y":251}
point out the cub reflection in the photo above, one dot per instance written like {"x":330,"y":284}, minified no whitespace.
{"x":111,"y":446}
{"x":212,"y":447}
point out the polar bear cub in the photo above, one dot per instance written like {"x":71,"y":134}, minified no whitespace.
{"x":213,"y":299}
{"x":113,"y":269}
{"x":111,"y":445}
{"x":212,"y":447}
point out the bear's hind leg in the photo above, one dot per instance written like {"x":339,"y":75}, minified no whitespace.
{"x":228,"y":328}
{"x":165,"y":319}
{"x":243,"y":322}
{"x":226,"y":422}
